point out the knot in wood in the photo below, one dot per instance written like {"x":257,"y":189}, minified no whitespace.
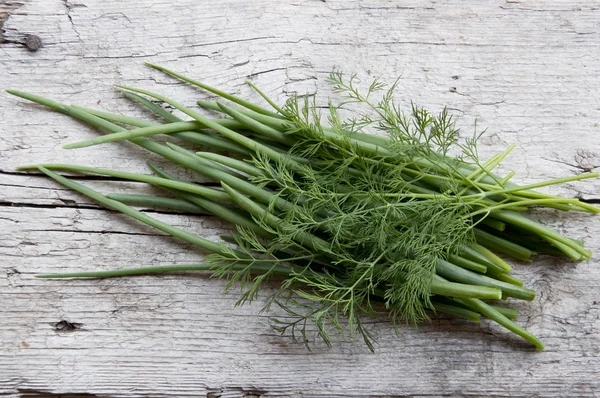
{"x":33,"y":42}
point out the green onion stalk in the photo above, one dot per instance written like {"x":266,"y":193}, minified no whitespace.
{"x":352,"y":217}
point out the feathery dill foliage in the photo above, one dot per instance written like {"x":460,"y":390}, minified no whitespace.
{"x":371,"y":238}
{"x":408,"y":217}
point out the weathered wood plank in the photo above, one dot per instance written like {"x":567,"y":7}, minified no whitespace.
{"x":186,"y":329}
{"x":525,"y":70}
{"x":35,"y":190}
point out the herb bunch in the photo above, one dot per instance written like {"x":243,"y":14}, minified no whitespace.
{"x":409,"y":219}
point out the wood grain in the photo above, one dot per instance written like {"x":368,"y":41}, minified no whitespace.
{"x":527,"y":71}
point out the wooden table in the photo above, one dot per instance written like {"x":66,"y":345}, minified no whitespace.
{"x":527,"y":71}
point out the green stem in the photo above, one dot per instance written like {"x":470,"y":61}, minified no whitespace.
{"x":496,"y":316}
{"x":211,"y":141}
{"x":458,"y":274}
{"x":276,"y":123}
{"x":452,"y":310}
{"x":193,"y":158}
{"x":303,"y":238}
{"x":498,"y":244}
{"x":199,"y":165}
{"x":113,"y":128}
{"x":136,"y":133}
{"x":157,"y":110}
{"x":495,"y":224}
{"x":467,"y":264}
{"x":542,"y":231}
{"x":161,"y":202}
{"x":486,"y":169}
{"x":442,"y":287}
{"x":367,"y":144}
{"x":142,"y":217}
{"x":567,"y":250}
{"x":525,"y":202}
{"x":494,"y":191}
{"x":195,"y":137}
{"x":216,"y":209}
{"x":235,"y":164}
{"x":220,"y":93}
{"x":253,"y":125}
{"x":498,"y":265}
{"x":230,"y":134}
{"x":257,"y":268}
{"x":265,"y":97}
{"x":213,"y":194}
{"x":509,"y":279}
{"x":493,"y":266}
{"x":510,"y":313}
{"x":116,"y":118}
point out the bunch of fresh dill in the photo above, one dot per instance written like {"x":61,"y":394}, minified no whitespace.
{"x":408,"y":219}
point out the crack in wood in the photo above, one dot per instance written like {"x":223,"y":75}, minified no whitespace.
{"x":71,"y":204}
{"x":66,"y":326}
{"x":72,"y":177}
{"x":106,"y":232}
{"x":93,"y":177}
{"x":68,"y":204}
{"x":245,"y":392}
{"x":6,"y":9}
{"x":35,"y":393}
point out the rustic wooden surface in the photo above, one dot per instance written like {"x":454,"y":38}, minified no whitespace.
{"x":529,"y":71}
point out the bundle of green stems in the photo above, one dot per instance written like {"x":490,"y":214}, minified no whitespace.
{"x":350,"y":223}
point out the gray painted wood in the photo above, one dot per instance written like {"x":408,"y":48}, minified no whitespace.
{"x":528,"y":71}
